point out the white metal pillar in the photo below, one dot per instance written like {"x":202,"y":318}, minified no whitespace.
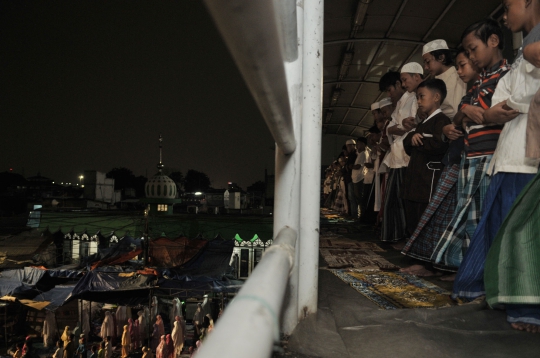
{"x":308,"y":247}
{"x":287,"y":185}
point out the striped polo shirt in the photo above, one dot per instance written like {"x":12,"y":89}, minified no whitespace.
{"x":481,"y":139}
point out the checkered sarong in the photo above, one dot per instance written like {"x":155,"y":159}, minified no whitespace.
{"x":471,"y":189}
{"x":435,"y":218}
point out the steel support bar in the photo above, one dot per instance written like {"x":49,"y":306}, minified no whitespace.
{"x":339,"y":42}
{"x":287,"y":185}
{"x":286,"y":15}
{"x":254,"y":314}
{"x":252,"y":34}
{"x":310,"y":169}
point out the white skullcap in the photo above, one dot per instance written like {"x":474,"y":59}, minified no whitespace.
{"x":412,"y":67}
{"x":385,"y":102}
{"x":375,"y":106}
{"x":434,"y":45}
{"x":350,"y":141}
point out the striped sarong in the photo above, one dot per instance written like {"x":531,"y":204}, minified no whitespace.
{"x":502,"y":193}
{"x":511,"y":271}
{"x":340,"y":202}
{"x":393,"y":223}
{"x":435,"y":218}
{"x":472,"y":185}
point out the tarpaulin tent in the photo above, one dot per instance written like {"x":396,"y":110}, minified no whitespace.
{"x":24,"y":283}
{"x":165,"y":252}
{"x":113,"y":287}
{"x":212,"y":261}
{"x":126,"y":249}
{"x":38,"y":305}
{"x":56,"y":296}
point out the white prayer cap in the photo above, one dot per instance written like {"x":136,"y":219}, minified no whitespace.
{"x":434,"y":45}
{"x":385,"y":102}
{"x":375,"y":106}
{"x":350,"y":141}
{"x":412,"y":67}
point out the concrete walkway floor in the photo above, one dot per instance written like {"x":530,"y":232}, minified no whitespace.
{"x":349,"y":325}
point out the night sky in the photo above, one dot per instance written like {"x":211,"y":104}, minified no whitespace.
{"x":92,"y":84}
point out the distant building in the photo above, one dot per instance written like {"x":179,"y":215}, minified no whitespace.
{"x":99,"y":190}
{"x":161,"y":191}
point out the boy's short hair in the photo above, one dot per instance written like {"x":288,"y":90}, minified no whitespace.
{"x":389,"y":79}
{"x":461,"y":50}
{"x":436,"y":85}
{"x":447,"y":60}
{"x":484,"y":29}
{"x":362,"y":139}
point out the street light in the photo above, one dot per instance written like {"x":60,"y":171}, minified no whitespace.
{"x":81,"y":177}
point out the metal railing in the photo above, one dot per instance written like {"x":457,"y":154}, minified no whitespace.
{"x":278,"y":48}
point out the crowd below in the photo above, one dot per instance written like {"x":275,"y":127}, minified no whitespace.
{"x":448,"y":174}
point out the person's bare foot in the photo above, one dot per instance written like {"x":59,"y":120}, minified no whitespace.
{"x":526,"y":327}
{"x":448,"y":278}
{"x":424,"y":272}
{"x":411,"y":269}
{"x":399,"y":246}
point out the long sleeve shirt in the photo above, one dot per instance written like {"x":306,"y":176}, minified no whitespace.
{"x":455,"y":90}
{"x":481,"y":139}
{"x":420,"y":178}
{"x":518,"y":88}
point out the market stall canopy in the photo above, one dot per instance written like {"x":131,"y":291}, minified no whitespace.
{"x":24,"y":283}
{"x":126,"y":249}
{"x":18,"y":251}
{"x":38,"y":305}
{"x":213,"y":260}
{"x":169,"y":253}
{"x":56,"y":297}
{"x":114,"y":287}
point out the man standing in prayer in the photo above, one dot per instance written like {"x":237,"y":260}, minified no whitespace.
{"x":347,"y":177}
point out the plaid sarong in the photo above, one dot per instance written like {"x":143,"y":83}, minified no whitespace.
{"x":435,"y":218}
{"x":471,"y":190}
{"x":503,"y":191}
{"x":393,"y":223}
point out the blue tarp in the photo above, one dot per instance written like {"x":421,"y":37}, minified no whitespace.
{"x":20,"y":282}
{"x":57,"y":296}
{"x":212,"y":261}
{"x":111,"y":287}
{"x":125,"y":246}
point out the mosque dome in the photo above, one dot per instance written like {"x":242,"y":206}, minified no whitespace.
{"x":160,"y":186}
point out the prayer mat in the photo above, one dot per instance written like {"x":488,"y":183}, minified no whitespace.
{"x":354,"y":258}
{"x":393,"y":290}
{"x":339,"y":242}
{"x":332,"y":216}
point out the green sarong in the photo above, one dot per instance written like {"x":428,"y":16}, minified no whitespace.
{"x":512,"y":274}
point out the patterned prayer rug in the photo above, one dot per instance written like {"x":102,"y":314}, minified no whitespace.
{"x":393,"y":290}
{"x":340,"y":242}
{"x":332,"y":216}
{"x":355,"y":258}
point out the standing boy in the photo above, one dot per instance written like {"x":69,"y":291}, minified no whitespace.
{"x":426,"y":148}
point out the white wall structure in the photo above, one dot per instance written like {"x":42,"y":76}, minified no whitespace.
{"x":98,"y":187}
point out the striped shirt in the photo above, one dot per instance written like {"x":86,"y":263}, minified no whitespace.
{"x":481,"y":139}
